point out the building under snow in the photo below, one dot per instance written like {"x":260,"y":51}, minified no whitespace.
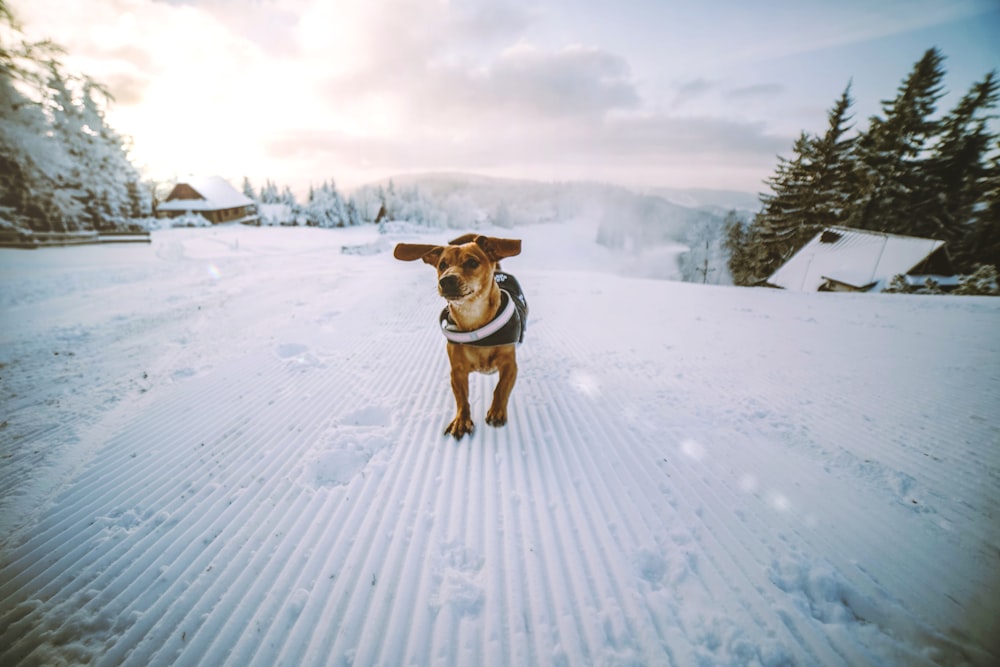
{"x":211,"y":197}
{"x":841,"y":259}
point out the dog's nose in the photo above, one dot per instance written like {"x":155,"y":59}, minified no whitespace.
{"x":449,"y":285}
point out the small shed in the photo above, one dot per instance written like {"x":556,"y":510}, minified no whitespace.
{"x":842,"y":259}
{"x":211,"y":197}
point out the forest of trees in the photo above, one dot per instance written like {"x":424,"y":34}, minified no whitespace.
{"x":62,"y":167}
{"x":326,"y":206}
{"x":909,"y":172}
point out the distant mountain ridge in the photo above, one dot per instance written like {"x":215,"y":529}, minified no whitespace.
{"x":717,"y":201}
{"x":640,"y":225}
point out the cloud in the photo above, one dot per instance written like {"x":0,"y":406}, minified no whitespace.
{"x":490,"y":23}
{"x":758,"y":90}
{"x":270,"y":24}
{"x":451,"y":73}
{"x":127,"y":89}
{"x":363,"y":41}
{"x":524,"y":84}
{"x":320,"y":88}
{"x":639,"y":140}
{"x":568,"y":82}
{"x":689,"y":136}
{"x":691,"y":90}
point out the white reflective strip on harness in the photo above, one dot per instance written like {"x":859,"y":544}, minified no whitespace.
{"x":484,"y":332}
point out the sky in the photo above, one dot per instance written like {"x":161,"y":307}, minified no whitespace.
{"x":642,"y":93}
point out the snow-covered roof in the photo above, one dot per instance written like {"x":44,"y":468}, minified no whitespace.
{"x":852,"y":257}
{"x":215,"y":193}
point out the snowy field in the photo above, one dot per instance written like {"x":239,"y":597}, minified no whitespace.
{"x":224,"y":448}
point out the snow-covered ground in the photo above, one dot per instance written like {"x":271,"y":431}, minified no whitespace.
{"x":225,"y":448}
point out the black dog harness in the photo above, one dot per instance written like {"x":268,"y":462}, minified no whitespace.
{"x":507,"y":328}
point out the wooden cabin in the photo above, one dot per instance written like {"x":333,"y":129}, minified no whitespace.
{"x":211,"y":197}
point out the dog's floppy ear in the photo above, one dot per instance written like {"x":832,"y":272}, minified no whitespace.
{"x":496,"y":249}
{"x":411,"y":251}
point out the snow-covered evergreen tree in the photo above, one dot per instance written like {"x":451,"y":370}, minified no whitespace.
{"x":738,"y":244}
{"x":958,"y":170}
{"x":983,"y":240}
{"x":326,"y":208}
{"x":893,"y":185}
{"x":811,"y":191}
{"x":908,"y":173}
{"x":353,"y":213}
{"x":983,"y":282}
{"x":784,"y":220}
{"x":64,"y":167}
{"x":248,"y":189}
{"x":269,"y":193}
{"x":832,"y":169}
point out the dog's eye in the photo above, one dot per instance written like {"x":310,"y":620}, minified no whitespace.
{"x":442,"y":266}
{"x":471,"y":264}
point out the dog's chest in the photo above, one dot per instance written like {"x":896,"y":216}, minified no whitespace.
{"x":475,"y":359}
{"x":483,"y":363}
{"x":486,"y":371}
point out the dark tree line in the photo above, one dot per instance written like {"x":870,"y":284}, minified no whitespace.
{"x":62,"y":167}
{"x":910,"y":172}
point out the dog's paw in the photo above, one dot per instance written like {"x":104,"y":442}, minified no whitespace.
{"x":496,"y":417}
{"x":459,"y":427}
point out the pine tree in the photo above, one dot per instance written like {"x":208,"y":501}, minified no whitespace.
{"x":72,"y":169}
{"x":326,"y":207}
{"x":269,"y":192}
{"x":982,"y":244}
{"x":811,"y":191}
{"x":353,"y":216}
{"x":248,"y":189}
{"x":958,"y":170}
{"x":908,"y":173}
{"x":783,"y":225}
{"x":736,"y":241}
{"x":136,"y":207}
{"x":831,"y":170}
{"x":21,"y":60}
{"x":892,"y":184}
{"x":105,"y":164}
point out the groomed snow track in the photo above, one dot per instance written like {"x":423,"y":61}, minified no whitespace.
{"x":297,"y":504}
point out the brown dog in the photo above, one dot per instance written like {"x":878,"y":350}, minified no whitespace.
{"x":481,"y":321}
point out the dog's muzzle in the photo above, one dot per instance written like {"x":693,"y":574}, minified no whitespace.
{"x":450,"y":287}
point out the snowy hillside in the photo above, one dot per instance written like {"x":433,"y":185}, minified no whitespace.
{"x":225,"y":448}
{"x":665,"y":233}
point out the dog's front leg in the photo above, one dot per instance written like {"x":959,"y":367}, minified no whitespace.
{"x":507,"y":365}
{"x":462,"y":423}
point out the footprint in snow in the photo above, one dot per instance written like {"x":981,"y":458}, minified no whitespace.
{"x":297,"y":356}
{"x":650,"y":565}
{"x":456,"y":571}
{"x":183,"y":374}
{"x":339,"y":466}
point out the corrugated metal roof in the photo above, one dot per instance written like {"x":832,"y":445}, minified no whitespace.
{"x":852,"y":256}
{"x":216,"y":194}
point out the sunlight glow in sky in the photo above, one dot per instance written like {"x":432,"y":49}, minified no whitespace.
{"x":640,"y":92}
